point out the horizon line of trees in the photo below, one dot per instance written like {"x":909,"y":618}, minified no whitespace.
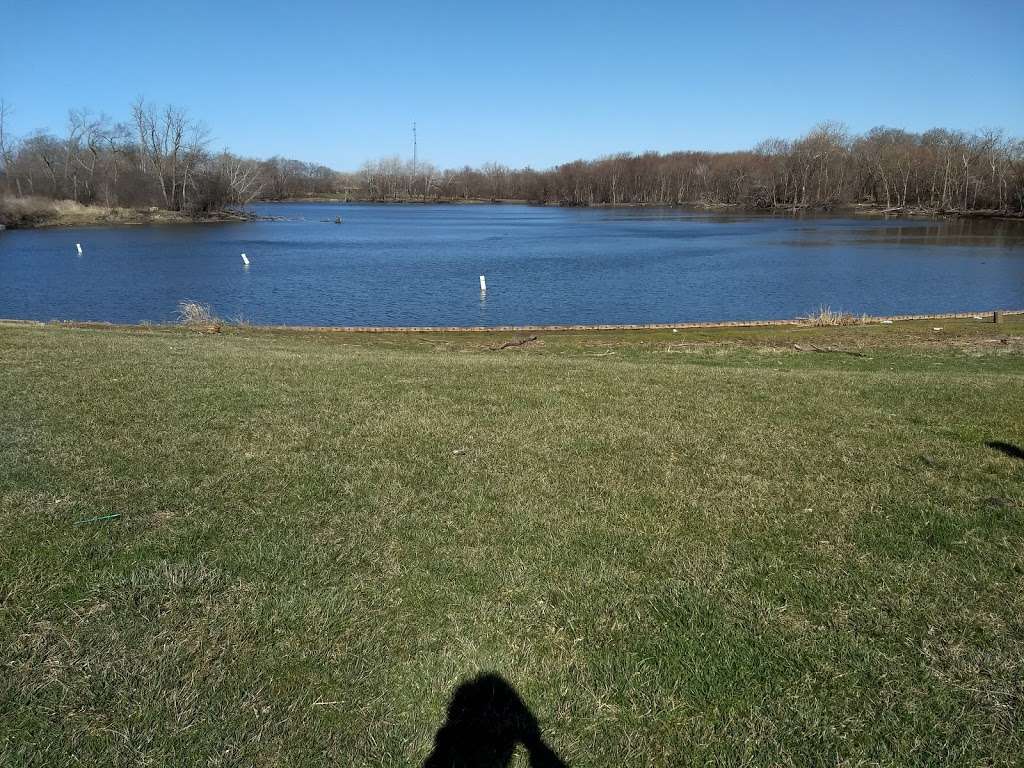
{"x":162,"y":157}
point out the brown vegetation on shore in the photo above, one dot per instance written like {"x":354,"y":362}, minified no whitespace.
{"x":29,"y":212}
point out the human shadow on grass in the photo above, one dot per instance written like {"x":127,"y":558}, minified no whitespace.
{"x":486,"y":720}
{"x":1009,"y":449}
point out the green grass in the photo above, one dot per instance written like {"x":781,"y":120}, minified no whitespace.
{"x":680,"y":548}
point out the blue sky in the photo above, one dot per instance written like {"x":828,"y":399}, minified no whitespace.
{"x":519,"y":83}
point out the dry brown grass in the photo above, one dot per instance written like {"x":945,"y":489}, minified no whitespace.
{"x":25,"y":212}
{"x":30,"y":211}
{"x":18,"y":212}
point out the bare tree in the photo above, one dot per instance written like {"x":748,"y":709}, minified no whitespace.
{"x":171,"y":146}
{"x":7,"y":148}
{"x":242,"y":176}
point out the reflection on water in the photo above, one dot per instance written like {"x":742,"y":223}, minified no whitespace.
{"x":482,"y":318}
{"x":420,"y":265}
{"x":956,"y":232}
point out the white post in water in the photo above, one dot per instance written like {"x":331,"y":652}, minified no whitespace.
{"x":245,"y":260}
{"x":483,"y":284}
{"x":79,"y":247}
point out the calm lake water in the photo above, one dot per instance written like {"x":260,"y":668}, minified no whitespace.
{"x":420,"y":265}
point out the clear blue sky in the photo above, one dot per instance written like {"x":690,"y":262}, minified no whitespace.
{"x":519,"y":83}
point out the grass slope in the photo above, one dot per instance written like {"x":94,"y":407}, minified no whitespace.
{"x":679,"y":548}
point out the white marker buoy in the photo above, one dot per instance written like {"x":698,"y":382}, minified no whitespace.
{"x":483,"y":284}
{"x":79,"y":247}
{"x":245,"y":260}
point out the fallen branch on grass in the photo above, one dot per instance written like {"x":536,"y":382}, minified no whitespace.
{"x":814,"y":348}
{"x":99,"y":519}
{"x":513,"y":343}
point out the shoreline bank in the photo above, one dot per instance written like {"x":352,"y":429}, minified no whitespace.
{"x":981,"y":316}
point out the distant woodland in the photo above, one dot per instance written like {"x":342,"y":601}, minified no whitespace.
{"x":161,"y":157}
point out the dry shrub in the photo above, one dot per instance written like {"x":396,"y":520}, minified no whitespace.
{"x":199,"y":316}
{"x":826,"y":316}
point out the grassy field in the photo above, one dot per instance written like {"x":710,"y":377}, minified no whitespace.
{"x":678,"y":548}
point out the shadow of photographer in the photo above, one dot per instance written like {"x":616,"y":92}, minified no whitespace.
{"x":486,"y":720}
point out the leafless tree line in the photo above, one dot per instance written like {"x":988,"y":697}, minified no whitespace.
{"x":161,"y":157}
{"x":939,"y":170}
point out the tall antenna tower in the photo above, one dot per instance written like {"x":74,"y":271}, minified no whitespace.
{"x":414,"y":149}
